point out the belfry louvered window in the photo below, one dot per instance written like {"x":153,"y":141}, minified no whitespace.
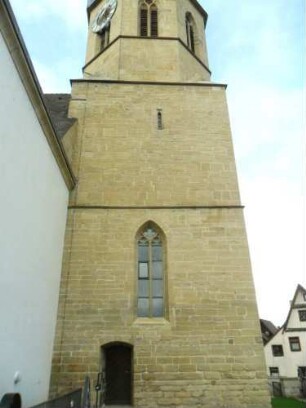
{"x":104,"y":35}
{"x":148,"y":15}
{"x":190,"y":32}
{"x":150,"y":265}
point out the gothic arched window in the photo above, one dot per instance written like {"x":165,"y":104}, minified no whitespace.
{"x":151,"y":272}
{"x":190,"y":31}
{"x":148,"y":19}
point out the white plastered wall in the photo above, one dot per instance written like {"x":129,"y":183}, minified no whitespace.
{"x":33,"y":206}
{"x":289,"y":363}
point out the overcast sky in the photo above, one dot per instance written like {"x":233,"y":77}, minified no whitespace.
{"x":257,"y":47}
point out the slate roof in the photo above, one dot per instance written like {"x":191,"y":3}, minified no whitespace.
{"x":268,"y":330}
{"x":57,"y":106}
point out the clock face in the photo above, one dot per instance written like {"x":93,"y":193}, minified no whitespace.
{"x":104,"y":16}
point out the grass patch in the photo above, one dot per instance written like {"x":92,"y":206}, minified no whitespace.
{"x":287,"y":403}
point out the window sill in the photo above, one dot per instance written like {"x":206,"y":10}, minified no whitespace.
{"x":161,"y":321}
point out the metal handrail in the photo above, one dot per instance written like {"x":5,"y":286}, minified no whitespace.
{"x":70,"y":400}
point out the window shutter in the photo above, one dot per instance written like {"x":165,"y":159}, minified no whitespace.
{"x":144,"y":22}
{"x":154,"y":22}
{"x":191,"y":39}
{"x":187,"y":33}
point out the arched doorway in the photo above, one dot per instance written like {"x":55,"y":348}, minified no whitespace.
{"x":117,"y":362}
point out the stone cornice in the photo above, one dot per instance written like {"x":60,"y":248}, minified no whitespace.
{"x":156,"y":83}
{"x":19,"y":54}
{"x":197,"y":5}
{"x":155,"y":207}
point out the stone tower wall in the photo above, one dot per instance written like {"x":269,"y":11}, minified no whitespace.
{"x":207,"y":351}
{"x":126,"y":160}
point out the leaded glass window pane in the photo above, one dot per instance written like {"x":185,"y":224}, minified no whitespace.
{"x":143,"y":253}
{"x":158,"y":307}
{"x":157,"y":288}
{"x":157,"y":270}
{"x":143,"y":270}
{"x":143,"y":288}
{"x":143,"y":307}
{"x":157,"y":253}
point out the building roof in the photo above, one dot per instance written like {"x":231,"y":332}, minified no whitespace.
{"x":268,"y":330}
{"x":57,"y":106}
{"x":21,"y":58}
{"x":298,"y":289}
{"x":269,"y":326}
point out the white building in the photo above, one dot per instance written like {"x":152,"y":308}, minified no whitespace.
{"x":285,"y":352}
{"x":35,"y":182}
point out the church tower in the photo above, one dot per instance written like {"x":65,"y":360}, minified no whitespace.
{"x":157,"y":298}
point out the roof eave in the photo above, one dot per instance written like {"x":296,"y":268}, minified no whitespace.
{"x":298,"y":289}
{"x":19,"y":53}
{"x":198,"y":6}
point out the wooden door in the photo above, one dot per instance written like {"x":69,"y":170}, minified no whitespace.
{"x":118,"y":373}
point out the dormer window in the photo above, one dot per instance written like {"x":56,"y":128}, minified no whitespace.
{"x":148,"y":16}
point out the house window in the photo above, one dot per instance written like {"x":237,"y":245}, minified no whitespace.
{"x":294,"y":343}
{"x":148,"y":16}
{"x":304,"y":296}
{"x":302,"y":315}
{"x":302,"y":372}
{"x":190,"y":31}
{"x":277,"y":350}
{"x":274,"y":371}
{"x":151,"y":286}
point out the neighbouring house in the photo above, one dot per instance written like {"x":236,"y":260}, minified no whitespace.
{"x":268,"y":330}
{"x":285,"y":352}
{"x":35,"y":182}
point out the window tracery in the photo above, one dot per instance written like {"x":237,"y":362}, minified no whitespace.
{"x":151,"y":281}
{"x":148,"y":15}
